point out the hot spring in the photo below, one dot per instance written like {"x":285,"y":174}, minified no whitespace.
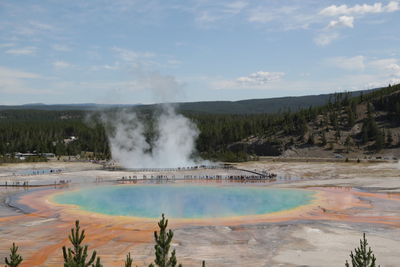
{"x":184,"y":201}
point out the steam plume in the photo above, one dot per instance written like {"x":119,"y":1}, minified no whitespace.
{"x":173,"y":146}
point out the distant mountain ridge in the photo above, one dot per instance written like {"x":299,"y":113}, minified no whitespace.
{"x":248,"y":106}
{"x":58,"y":107}
{"x":265,"y":105}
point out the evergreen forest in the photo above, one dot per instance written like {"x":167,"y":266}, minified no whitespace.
{"x":230,"y":137}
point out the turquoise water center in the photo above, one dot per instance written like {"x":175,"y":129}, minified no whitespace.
{"x":184,"y":201}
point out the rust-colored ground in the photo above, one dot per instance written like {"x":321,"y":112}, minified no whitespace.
{"x":352,"y":199}
{"x":42,"y":234}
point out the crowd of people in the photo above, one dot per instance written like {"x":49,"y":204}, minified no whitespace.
{"x":241,"y":177}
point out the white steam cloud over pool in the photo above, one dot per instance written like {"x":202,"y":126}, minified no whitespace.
{"x":173,"y":146}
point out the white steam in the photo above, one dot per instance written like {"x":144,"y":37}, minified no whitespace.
{"x":173,"y":146}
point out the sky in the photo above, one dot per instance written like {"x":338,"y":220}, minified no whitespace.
{"x":146,"y":51}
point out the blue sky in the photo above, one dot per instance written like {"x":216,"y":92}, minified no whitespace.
{"x":120,"y":51}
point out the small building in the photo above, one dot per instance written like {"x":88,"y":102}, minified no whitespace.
{"x":23,"y":156}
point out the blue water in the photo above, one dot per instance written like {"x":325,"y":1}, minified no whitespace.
{"x":184,"y":201}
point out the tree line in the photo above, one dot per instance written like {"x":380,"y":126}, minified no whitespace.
{"x":47,"y":131}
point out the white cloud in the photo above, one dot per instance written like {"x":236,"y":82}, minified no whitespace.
{"x":130,"y":55}
{"x":382,"y":67}
{"x":373,"y":73}
{"x":382,"y":63}
{"x":115,"y":66}
{"x":141,"y":60}
{"x":382,"y":83}
{"x":174,"y":62}
{"x":61,"y":64}
{"x":41,"y":26}
{"x":206,"y":17}
{"x":387,"y":66}
{"x":326,"y":38}
{"x":256,"y":80}
{"x":207,"y":14}
{"x":393,"y":6}
{"x":342,"y":21}
{"x":15,"y":82}
{"x":395,"y":69}
{"x":7,"y":45}
{"x":16,"y":74}
{"x":134,"y":59}
{"x":259,"y":78}
{"x":262,"y":15}
{"x":286,"y":18}
{"x":235,"y":7}
{"x":334,"y":10}
{"x":111,"y":67}
{"x":61,"y":47}
{"x":348,"y":63}
{"x":33,"y":28}
{"x":347,"y":16}
{"x":267,"y":14}
{"x":29,"y":50}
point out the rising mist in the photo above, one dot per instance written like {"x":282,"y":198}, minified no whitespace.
{"x":173,"y":144}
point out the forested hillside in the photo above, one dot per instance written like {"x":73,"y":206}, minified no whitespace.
{"x":353,"y":126}
{"x":366,"y":124}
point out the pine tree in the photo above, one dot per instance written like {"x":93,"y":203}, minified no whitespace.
{"x":323,"y":139}
{"x":364,"y":137}
{"x":397,"y":109}
{"x":389,"y":138}
{"x":310,"y":140}
{"x":163,"y":244}
{"x":379,"y":141}
{"x":348,"y":143}
{"x":337,"y":134}
{"x":128,"y":261}
{"x":77,"y":256}
{"x":98,"y":264}
{"x":15,"y":258}
{"x":351,"y":118}
{"x":362,"y":256}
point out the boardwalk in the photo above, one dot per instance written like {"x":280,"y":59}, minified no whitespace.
{"x":197,"y":173}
